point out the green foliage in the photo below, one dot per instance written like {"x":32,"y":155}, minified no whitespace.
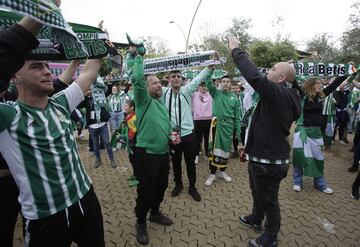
{"x":105,"y":67}
{"x":219,"y":42}
{"x":326,"y":52}
{"x":239,"y":29}
{"x":265,"y":53}
{"x":155,"y":47}
{"x":351,"y":38}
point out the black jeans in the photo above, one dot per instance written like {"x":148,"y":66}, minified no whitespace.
{"x":82,"y":223}
{"x":356,"y":183}
{"x":152,"y":174}
{"x":132,"y":160}
{"x":264,"y":183}
{"x":202,"y":129}
{"x":242,"y":135}
{"x":9,"y":210}
{"x":356,"y":147}
{"x":188,"y":146}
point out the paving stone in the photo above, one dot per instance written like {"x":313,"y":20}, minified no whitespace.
{"x":215,"y":220}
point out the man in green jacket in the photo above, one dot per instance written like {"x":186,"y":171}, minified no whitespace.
{"x":152,"y":149}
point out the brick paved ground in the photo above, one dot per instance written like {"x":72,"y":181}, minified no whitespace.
{"x":214,"y":220}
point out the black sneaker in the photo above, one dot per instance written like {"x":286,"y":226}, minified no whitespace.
{"x":161,"y":219}
{"x":353,"y":169}
{"x":176,"y":191}
{"x":263,"y":242}
{"x":194,"y":194}
{"x":355,"y":193}
{"x":245,"y":221}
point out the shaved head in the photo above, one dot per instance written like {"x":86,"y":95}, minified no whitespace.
{"x":282,"y":72}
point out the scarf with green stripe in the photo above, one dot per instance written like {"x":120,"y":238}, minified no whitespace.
{"x":308,"y":147}
{"x":306,"y":69}
{"x":59,"y":40}
{"x":46,"y":12}
{"x":98,"y":89}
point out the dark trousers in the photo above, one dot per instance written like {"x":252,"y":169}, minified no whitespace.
{"x":101,"y":133}
{"x":342,"y":126}
{"x":9,"y":210}
{"x":356,"y":183}
{"x":202,"y":129}
{"x":82,"y":223}
{"x":188,"y":146}
{"x":91,"y":144}
{"x":153,"y":173}
{"x":264,"y":184}
{"x":356,"y":147}
{"x":213,"y":169}
{"x":235,"y":143}
{"x":357,"y":135}
{"x":242,"y":135}
{"x":132,"y":159}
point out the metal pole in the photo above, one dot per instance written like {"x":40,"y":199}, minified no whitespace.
{"x":187,"y":40}
{"x":182,"y":30}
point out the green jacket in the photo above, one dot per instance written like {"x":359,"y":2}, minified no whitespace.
{"x":225,"y":106}
{"x":153,"y":124}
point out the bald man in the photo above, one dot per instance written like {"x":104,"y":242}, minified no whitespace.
{"x":266,"y":145}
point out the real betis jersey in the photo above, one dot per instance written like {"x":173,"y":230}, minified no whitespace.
{"x":40,"y":149}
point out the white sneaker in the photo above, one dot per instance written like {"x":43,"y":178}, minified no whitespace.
{"x":197,"y":159}
{"x":210,"y":180}
{"x":225,"y":176}
{"x":328,"y":190}
{"x":342,"y":142}
{"x":297,"y":188}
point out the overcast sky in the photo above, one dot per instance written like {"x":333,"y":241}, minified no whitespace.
{"x":302,"y":19}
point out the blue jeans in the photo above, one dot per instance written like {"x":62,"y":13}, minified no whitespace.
{"x":103,"y":133}
{"x":115,"y":120}
{"x":319,"y":182}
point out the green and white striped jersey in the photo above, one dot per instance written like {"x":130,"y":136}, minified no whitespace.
{"x":40,"y":149}
{"x":114,"y":101}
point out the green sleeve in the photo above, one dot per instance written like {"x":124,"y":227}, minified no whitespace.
{"x":210,"y":86}
{"x":141,"y":95}
{"x":237,"y":120}
{"x":7,"y":114}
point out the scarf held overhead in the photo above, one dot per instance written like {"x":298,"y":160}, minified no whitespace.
{"x":76,"y":42}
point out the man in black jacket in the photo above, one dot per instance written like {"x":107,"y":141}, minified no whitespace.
{"x":266,"y":146}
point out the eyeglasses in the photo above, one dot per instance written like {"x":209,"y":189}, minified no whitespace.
{"x":175,"y":76}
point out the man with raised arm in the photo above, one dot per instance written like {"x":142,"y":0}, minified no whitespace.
{"x":152,"y":149}
{"x":36,"y":140}
{"x":266,"y":145}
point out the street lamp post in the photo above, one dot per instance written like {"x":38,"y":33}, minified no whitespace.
{"x":182,"y":31}
{"x":192,"y":21}
{"x":191,"y":24}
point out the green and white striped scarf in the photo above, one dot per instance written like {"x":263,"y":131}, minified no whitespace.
{"x":46,"y":12}
{"x":98,"y":89}
{"x":91,"y":42}
{"x":308,"y":147}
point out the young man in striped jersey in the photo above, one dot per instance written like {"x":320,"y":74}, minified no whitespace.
{"x":36,"y":139}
